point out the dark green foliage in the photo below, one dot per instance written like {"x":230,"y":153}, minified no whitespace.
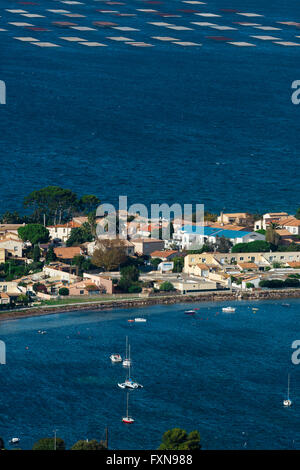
{"x":130,"y":273}
{"x":252,"y":247}
{"x":155,"y":262}
{"x":35,"y":233}
{"x":64,"y":291}
{"x":88,"y":445}
{"x":279,"y":283}
{"x":179,"y":439}
{"x":84,"y":264}
{"x":50,"y":255}
{"x":80,"y":235}
{"x":178,"y":264}
{"x":56,"y":203}
{"x":88,"y":203}
{"x":39,"y":287}
{"x":36,"y":253}
{"x":167,"y":287}
{"x":48,"y":443}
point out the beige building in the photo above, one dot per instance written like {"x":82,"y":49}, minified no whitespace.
{"x":222,"y":260}
{"x":236,"y":218}
{"x":13,"y":247}
{"x":145,"y":246}
{"x":103,"y":282}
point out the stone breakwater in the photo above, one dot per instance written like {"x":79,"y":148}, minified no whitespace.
{"x":221,"y":296}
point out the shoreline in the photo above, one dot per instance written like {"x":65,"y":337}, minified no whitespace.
{"x":149,"y":301}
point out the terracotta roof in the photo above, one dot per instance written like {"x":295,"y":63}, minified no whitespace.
{"x":203,"y":266}
{"x":248,"y":265}
{"x":163,"y":254}
{"x":283,"y":232}
{"x":294,"y":264}
{"x":67,"y":252}
{"x":291,"y":222}
{"x":146,"y":240}
{"x":71,"y":224}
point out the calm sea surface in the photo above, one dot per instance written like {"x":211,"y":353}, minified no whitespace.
{"x":212,"y":124}
{"x":223,"y":374}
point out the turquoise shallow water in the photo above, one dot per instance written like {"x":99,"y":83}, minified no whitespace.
{"x":225,"y":375}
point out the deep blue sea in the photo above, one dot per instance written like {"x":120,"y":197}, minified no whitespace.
{"x":223,"y":374}
{"x":212,"y":124}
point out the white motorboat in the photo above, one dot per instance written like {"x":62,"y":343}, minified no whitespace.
{"x":14,"y":440}
{"x":127,"y":360}
{"x":140,"y":320}
{"x":190,"y":312}
{"x":127,"y":419}
{"x":228,"y":309}
{"x":288,"y":402}
{"x":116,"y":358}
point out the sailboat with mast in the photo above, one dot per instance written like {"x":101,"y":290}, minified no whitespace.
{"x":129,"y":383}
{"x":288,"y":402}
{"x":127,"y":360}
{"x":127,"y":419}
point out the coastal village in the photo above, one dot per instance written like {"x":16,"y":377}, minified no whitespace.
{"x":56,"y":256}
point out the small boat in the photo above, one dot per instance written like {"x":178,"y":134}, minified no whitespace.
{"x":254,"y":308}
{"x":228,"y":309}
{"x":129,"y":383}
{"x":130,"y":320}
{"x":127,"y":419}
{"x":288,"y":402}
{"x":14,"y":440}
{"x":140,"y":320}
{"x":190,"y":312}
{"x":127,"y":360}
{"x":42,"y":332}
{"x":115,"y":358}
{"x":285,"y":305}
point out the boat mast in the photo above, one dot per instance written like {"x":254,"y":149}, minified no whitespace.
{"x":126,"y":347}
{"x":127,"y":405}
{"x":288,"y":386}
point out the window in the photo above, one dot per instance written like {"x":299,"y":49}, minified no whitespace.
{"x":81,"y":292}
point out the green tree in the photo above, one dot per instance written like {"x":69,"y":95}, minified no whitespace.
{"x":88,"y":445}
{"x":54,"y":202}
{"x":131,"y":273}
{"x":35,"y":233}
{"x":48,"y":443}
{"x":252,"y":247}
{"x":11,"y":218}
{"x":64,"y":291}
{"x":155,"y":262}
{"x":83,"y":264}
{"x":167,"y":286}
{"x":22,"y":299}
{"x":297,"y":215}
{"x":2,"y":445}
{"x":178,"y":264}
{"x":179,"y":439}
{"x":36,"y":254}
{"x":89,"y":203}
{"x":80,"y":235}
{"x":50,"y":255}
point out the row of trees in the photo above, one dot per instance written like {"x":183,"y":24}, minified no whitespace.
{"x":174,"y":439}
{"x":54,"y":203}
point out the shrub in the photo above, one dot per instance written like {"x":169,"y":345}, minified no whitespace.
{"x":63,"y":291}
